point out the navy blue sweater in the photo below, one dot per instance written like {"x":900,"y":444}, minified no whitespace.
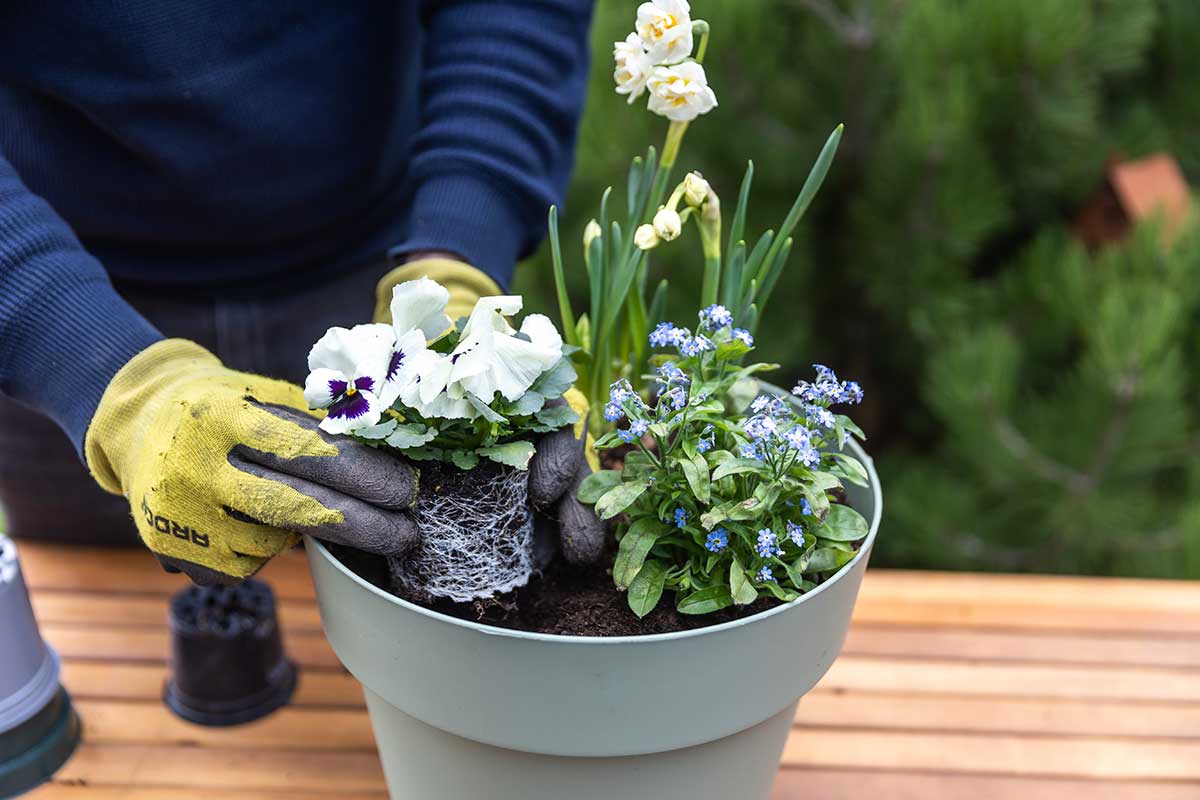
{"x":214,"y":143}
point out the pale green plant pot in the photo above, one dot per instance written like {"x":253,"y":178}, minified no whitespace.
{"x":464,"y":710}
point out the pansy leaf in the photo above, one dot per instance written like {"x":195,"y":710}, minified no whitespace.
{"x":705,"y":601}
{"x":423,"y":453}
{"x":556,"y":380}
{"x":842,"y":524}
{"x":619,"y":498}
{"x":635,"y":546}
{"x":529,"y":403}
{"x":696,"y":471}
{"x":464,"y":459}
{"x":557,"y":416}
{"x":409,"y":435}
{"x":379,"y":431}
{"x":646,"y":589}
{"x":595,"y":485}
{"x":484,"y":410}
{"x":740,"y":587}
{"x":513,"y":454}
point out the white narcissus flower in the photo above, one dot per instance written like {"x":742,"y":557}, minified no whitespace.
{"x":590,"y":232}
{"x":665,"y":28}
{"x":645,"y":237}
{"x":680,"y":93}
{"x":695,"y":189}
{"x":490,"y":358}
{"x":632,"y":68}
{"x":348,"y":368}
{"x":667,"y":224}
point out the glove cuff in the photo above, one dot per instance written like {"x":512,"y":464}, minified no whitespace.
{"x":465,"y":283}
{"x":132,"y":401}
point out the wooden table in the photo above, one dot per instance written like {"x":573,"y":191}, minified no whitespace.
{"x":950,"y":686}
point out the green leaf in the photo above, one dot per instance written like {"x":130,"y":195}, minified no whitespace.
{"x":464,"y":459}
{"x":556,"y":380}
{"x":514,"y":454}
{"x":560,"y":284}
{"x":424,"y":453}
{"x":779,"y":592}
{"x":845,"y":423}
{"x":842,"y":524}
{"x":646,"y":589}
{"x":484,"y":409}
{"x":736,"y":466}
{"x":827,"y":559}
{"x":379,"y":431}
{"x":409,"y":435}
{"x":696,"y":472}
{"x":705,"y":601}
{"x":851,"y":469}
{"x":635,"y":546}
{"x":557,"y":416}
{"x":742,"y":590}
{"x":619,"y":498}
{"x":529,"y":403}
{"x":595,"y":485}
{"x":711,"y":518}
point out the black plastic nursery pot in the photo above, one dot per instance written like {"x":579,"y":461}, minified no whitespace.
{"x":228,"y":665}
{"x":464,"y":709}
{"x":39,"y":728}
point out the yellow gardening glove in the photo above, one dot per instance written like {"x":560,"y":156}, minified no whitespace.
{"x":222,"y":469}
{"x":465,"y":284}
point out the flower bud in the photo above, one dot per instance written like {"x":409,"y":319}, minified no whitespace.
{"x":645,"y":237}
{"x":695,"y":189}
{"x":667,"y":224}
{"x":590,"y":232}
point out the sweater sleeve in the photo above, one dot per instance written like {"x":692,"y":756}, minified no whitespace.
{"x":64,"y":330}
{"x":502,"y":88}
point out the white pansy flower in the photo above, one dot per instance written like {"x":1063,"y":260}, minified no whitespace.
{"x":429,"y":393}
{"x":695,"y":189}
{"x":490,"y":358}
{"x":347,"y":373}
{"x":632,"y":68}
{"x":665,"y":28}
{"x":680,"y":93}
{"x":667,"y":224}
{"x":645,"y":237}
{"x":420,"y":304}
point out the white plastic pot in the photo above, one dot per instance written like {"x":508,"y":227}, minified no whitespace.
{"x":465,"y":710}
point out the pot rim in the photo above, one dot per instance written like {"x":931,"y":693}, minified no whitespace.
{"x":490,"y":630}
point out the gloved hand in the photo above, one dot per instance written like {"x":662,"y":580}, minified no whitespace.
{"x":465,"y":284}
{"x":223,"y":469}
{"x":557,"y":469}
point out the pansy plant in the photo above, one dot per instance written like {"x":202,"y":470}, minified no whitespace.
{"x":722,"y":503}
{"x":434,"y":390}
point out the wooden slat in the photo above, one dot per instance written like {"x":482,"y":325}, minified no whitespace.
{"x":133,"y":610}
{"x":153,"y":644}
{"x":65,"y":791}
{"x":220,"y":768}
{"x":900,"y":711}
{"x":825,"y":784}
{"x":134,"y":722}
{"x":124,"y":681}
{"x":135,"y":571}
{"x":1023,"y":646}
{"x":1026,"y":755}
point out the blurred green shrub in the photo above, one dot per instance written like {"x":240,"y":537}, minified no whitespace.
{"x":1031,"y":407}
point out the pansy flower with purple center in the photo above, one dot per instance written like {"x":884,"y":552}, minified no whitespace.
{"x":347,"y":373}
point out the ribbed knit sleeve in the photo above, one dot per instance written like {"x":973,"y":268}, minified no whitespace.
{"x":64,"y":331}
{"x":502,"y":90}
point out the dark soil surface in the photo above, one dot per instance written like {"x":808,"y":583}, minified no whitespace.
{"x":565,"y":600}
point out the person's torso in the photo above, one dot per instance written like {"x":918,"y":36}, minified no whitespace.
{"x":211,"y":139}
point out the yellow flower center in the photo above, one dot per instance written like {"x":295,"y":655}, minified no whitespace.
{"x":351,"y":390}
